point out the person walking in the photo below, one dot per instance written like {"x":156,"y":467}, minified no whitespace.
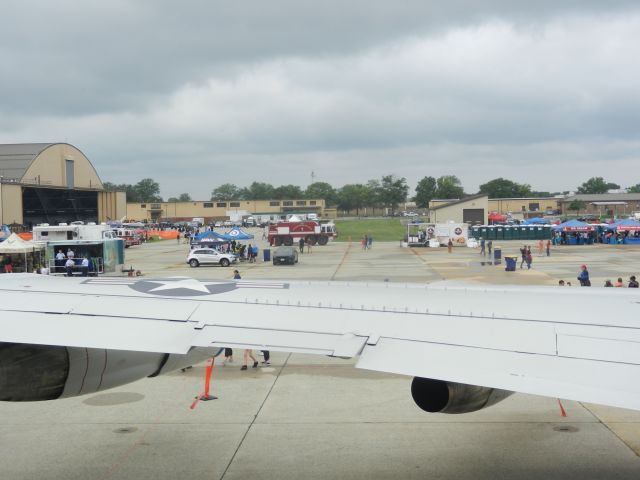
{"x":633,"y":283}
{"x":266,"y":355}
{"x":608,"y":283}
{"x":369,"y":242}
{"x":301,"y":245}
{"x":228,"y":355}
{"x":523,"y":254}
{"x":540,"y":248}
{"x":619,"y":283}
{"x":482,"y":245}
{"x":450,"y":246}
{"x":248,"y":354}
{"x":489,"y":247}
{"x":548,"y":248}
{"x":529,"y":259}
{"x":583,"y":277}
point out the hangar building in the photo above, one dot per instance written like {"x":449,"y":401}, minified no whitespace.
{"x":53,"y":183}
{"x":473,"y":210}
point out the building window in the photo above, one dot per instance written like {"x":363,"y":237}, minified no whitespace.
{"x":207,"y":204}
{"x":301,"y":202}
{"x":287,"y":203}
{"x":234,"y":204}
{"x":534,"y":207}
{"x":274,"y":204}
{"x":312,"y":202}
{"x":144,"y":205}
{"x":155,"y":206}
{"x":221,"y":204}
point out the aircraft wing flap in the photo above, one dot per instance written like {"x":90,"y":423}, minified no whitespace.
{"x":134,"y":307}
{"x":550,"y":375}
{"x":15,"y":301}
{"x":599,"y":343}
{"x":339,"y":345}
{"x":95,"y":331}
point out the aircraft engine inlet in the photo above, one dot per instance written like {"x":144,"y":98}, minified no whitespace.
{"x":450,"y":397}
{"x":43,"y":372}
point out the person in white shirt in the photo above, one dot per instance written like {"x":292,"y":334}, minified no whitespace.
{"x":59,"y":262}
{"x":69,"y":266}
{"x":85,"y":266}
{"x":70,"y":253}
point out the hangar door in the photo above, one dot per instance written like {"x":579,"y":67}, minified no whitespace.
{"x":473,"y":216}
{"x":53,"y":206}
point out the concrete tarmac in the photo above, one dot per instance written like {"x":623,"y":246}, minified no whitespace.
{"x":316,"y":417}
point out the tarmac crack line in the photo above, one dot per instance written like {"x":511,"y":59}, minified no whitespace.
{"x":611,"y":430}
{"x":333,"y":277}
{"x":255,"y":417}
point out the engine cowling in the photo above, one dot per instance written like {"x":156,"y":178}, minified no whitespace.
{"x":450,"y":397}
{"x":44,"y":372}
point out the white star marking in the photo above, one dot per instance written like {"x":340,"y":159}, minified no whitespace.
{"x":187,"y":284}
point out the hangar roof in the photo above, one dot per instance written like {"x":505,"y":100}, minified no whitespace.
{"x":15,"y":158}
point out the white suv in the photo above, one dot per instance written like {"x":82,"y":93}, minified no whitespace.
{"x":210,"y":256}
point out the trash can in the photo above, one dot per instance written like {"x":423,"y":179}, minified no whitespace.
{"x":266,"y":255}
{"x":497,"y":255}
{"x":511,"y":263}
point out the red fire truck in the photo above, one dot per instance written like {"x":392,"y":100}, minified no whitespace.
{"x":286,"y":233}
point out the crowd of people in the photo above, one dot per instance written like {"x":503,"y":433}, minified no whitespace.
{"x":585,"y":281}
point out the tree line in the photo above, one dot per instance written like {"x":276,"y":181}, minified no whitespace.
{"x":389,"y":191}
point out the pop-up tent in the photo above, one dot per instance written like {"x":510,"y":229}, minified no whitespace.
{"x":237,"y":234}
{"x":536,"y":221}
{"x":16,"y":246}
{"x":627,"y":225}
{"x":573,"y":226}
{"x":209,"y":235}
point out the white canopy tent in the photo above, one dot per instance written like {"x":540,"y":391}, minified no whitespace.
{"x":14,"y":245}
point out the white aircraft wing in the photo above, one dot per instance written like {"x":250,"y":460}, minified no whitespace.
{"x":579,"y":344}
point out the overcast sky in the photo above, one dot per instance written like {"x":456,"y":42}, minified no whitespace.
{"x":199,"y":93}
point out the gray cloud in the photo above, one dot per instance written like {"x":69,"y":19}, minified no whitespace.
{"x":201,"y":93}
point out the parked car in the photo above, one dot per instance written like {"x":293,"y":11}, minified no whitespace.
{"x":210,"y":256}
{"x":285,"y":255}
{"x":227,"y":223}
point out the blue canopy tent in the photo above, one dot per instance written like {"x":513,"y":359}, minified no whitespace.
{"x":237,"y":234}
{"x":575,"y":227}
{"x":627,"y":231}
{"x":209,"y":235}
{"x":626,"y":224}
{"x":536,"y":221}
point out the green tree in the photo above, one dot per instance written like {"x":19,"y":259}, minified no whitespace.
{"x":322,"y":190}
{"x":425,"y":192}
{"x":352,"y":197}
{"x":597,"y":185}
{"x":258,"y":191}
{"x":449,"y":186}
{"x":183,"y":197}
{"x":634,"y":189}
{"x":577,"y":205}
{"x":393,"y":191}
{"x":147,"y":190}
{"x":503,"y":188}
{"x":226,"y":191}
{"x":287,"y":192}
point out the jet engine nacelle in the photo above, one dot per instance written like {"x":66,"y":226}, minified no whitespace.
{"x":44,"y":372}
{"x":450,"y":397}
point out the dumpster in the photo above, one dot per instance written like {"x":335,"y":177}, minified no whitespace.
{"x":266,"y":255}
{"x":511,"y":264}
{"x":497,"y":255}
